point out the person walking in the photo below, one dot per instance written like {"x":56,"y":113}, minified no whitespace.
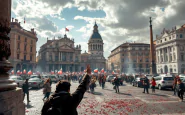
{"x":146,"y":84}
{"x":153,"y":83}
{"x":180,"y":89}
{"x":47,"y":89}
{"x":93,"y":84}
{"x":174,"y":86}
{"x":103,"y":79}
{"x":25,"y":88}
{"x":62,"y":102}
{"x":116,"y":84}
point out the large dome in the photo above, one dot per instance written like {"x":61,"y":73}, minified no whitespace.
{"x":95,"y":35}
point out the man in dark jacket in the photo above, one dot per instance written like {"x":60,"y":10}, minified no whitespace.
{"x":117,"y":83}
{"x":65,"y":102}
{"x":25,"y":88}
{"x":146,"y":84}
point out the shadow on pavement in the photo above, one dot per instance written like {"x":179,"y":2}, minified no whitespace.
{"x":97,"y":93}
{"x":125,"y":94}
{"x":160,"y":95}
{"x":109,"y":89}
{"x":28,"y":105}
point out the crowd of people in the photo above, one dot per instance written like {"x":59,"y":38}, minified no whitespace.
{"x":52,"y":104}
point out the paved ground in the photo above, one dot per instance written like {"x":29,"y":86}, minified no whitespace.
{"x":131,"y":101}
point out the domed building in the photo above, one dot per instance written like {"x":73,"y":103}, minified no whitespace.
{"x":95,"y":55}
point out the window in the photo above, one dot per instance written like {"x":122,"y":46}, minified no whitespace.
{"x":30,"y":49}
{"x":17,"y":56}
{"x":147,"y":66}
{"x":182,"y":57}
{"x":181,"y":36}
{"x":24,"y":57}
{"x":25,"y":40}
{"x":140,"y":60}
{"x":30,"y":58}
{"x":147,"y":60}
{"x":56,"y":58}
{"x":50,"y":57}
{"x":25,"y":47}
{"x":122,"y":60}
{"x":170,"y":57}
{"x":165,"y":39}
{"x":18,"y":46}
{"x":161,"y":41}
{"x":140,"y":65}
{"x":19,"y":37}
{"x":170,"y":38}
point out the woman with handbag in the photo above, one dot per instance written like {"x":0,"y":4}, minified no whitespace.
{"x":46,"y":89}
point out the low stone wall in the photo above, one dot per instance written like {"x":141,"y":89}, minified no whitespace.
{"x":11,"y":102}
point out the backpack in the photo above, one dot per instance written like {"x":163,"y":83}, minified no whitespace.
{"x":54,"y":110}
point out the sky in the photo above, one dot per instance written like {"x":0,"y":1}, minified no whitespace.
{"x":119,"y":21}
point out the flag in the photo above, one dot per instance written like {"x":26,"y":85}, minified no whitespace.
{"x":67,"y":29}
{"x":24,"y":20}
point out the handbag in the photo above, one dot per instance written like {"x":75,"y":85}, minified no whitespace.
{"x":44,"y":90}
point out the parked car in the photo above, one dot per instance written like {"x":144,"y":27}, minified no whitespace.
{"x":164,"y":81}
{"x":44,"y":77}
{"x":35,"y":76}
{"x":182,"y":76}
{"x":53,"y":78}
{"x":109,"y":78}
{"x":137,"y":82}
{"x":18,"y":79}
{"x":36,"y":83}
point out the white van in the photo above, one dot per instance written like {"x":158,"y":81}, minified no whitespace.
{"x":182,"y":76}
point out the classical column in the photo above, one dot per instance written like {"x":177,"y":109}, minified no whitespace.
{"x":11,"y":98}
{"x":153,"y":65}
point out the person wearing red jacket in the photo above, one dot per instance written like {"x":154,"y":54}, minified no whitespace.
{"x":153,"y":83}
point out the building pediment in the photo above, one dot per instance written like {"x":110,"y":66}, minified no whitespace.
{"x":165,"y":35}
{"x":66,"y":47}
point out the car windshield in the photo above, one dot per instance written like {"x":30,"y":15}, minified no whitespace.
{"x":34,"y":79}
{"x":52,"y":76}
{"x":34,"y":76}
{"x":168,"y":78}
{"x":110,"y":76}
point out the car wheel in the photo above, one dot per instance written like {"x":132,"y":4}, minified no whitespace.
{"x":132,"y":84}
{"x":137,"y":85}
{"x":159,"y":86}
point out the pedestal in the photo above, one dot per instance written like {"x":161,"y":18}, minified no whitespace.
{"x":11,"y":102}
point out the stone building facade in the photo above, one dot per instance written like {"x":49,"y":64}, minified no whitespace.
{"x":170,"y":47}
{"x":23,"y":47}
{"x":59,"y":53}
{"x":130,"y":58}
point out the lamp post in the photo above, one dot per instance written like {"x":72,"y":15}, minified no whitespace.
{"x":11,"y":98}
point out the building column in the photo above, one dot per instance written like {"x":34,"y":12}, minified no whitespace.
{"x":8,"y":89}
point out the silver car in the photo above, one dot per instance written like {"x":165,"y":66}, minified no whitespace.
{"x":163,"y":82}
{"x":18,"y":80}
{"x":36,"y":83}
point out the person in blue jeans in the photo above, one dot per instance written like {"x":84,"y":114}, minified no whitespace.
{"x":146,"y":84}
{"x":47,"y":89}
